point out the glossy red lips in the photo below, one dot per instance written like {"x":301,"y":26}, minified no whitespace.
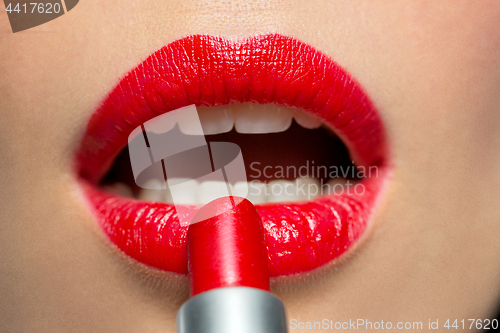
{"x":207,"y":71}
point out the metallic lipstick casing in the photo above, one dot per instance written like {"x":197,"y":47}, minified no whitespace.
{"x":229,"y":274}
{"x":232,"y":310}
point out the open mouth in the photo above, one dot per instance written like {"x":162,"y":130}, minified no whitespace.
{"x":318,"y":165}
{"x":313,"y":144}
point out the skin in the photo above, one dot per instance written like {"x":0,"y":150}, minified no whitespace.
{"x":431,"y":67}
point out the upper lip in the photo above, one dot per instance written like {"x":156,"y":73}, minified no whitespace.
{"x":208,"y":71}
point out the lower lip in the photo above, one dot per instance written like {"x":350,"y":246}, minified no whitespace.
{"x":300,"y":236}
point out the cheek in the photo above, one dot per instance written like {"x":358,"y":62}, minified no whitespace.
{"x":437,"y":79}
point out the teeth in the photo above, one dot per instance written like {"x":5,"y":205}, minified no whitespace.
{"x":255,"y":118}
{"x":211,"y":190}
{"x":305,"y":120}
{"x":159,"y":125}
{"x":215,"y":120}
{"x":148,"y":194}
{"x":308,"y":188}
{"x":185,"y":191}
{"x":119,"y":189}
{"x":335,"y":185}
{"x":298,"y":190}
{"x":256,"y":193}
{"x":281,"y":190}
{"x":247,"y":118}
{"x":241,"y":189}
{"x":190,"y":192}
{"x":190,"y":126}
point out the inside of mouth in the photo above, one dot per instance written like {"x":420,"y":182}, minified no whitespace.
{"x":288,"y":155}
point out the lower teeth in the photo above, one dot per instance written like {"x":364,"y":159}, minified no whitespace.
{"x":300,"y":189}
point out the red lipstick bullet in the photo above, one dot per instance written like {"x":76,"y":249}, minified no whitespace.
{"x":229,"y":274}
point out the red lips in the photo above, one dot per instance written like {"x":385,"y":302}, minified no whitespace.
{"x":208,"y":71}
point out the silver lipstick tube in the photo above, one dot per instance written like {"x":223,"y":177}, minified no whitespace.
{"x":232,"y":310}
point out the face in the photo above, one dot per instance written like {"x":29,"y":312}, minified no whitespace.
{"x":422,"y":247}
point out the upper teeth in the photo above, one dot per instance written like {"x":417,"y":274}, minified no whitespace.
{"x":251,"y":118}
{"x":219,"y":119}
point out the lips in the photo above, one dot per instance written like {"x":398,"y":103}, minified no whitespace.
{"x":211,"y":71}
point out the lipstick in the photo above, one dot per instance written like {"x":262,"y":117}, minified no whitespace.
{"x":228,"y":273}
